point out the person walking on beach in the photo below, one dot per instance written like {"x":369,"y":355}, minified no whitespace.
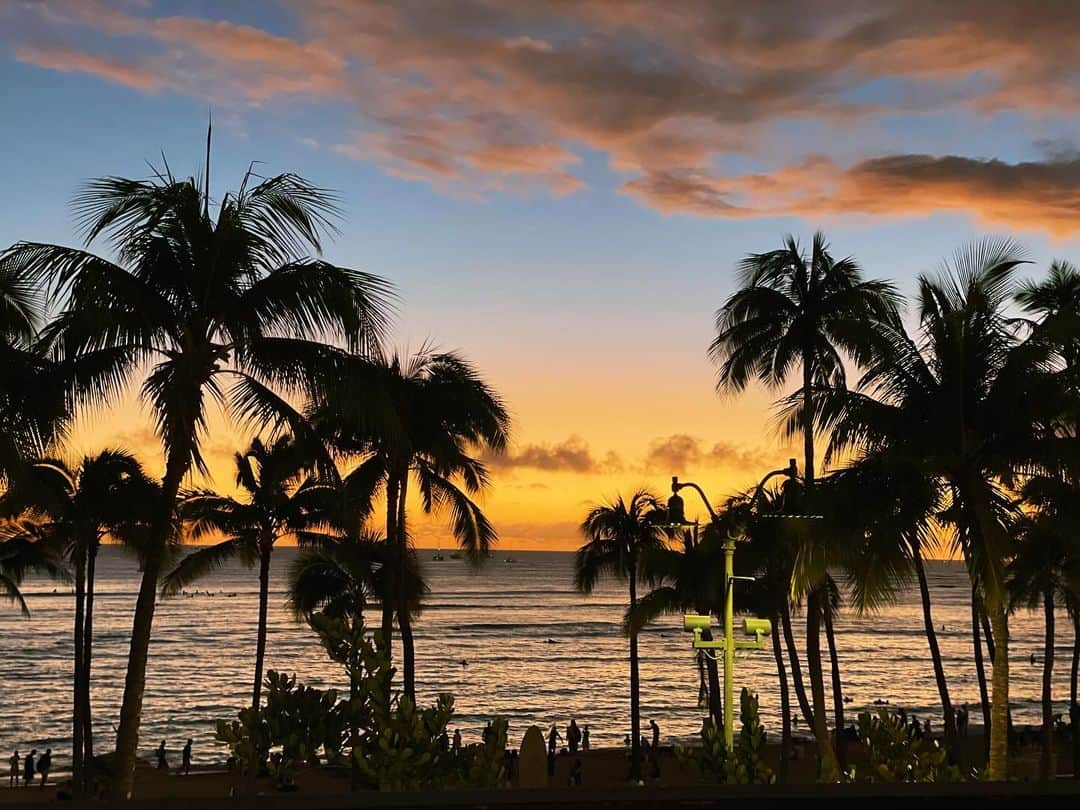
{"x":13,"y":779}
{"x":585,"y":739}
{"x":44,"y":765}
{"x":28,"y":768}
{"x":553,"y":739}
{"x":486,"y":735}
{"x":161,"y":763}
{"x":655,"y":733}
{"x":457,"y":741}
{"x":573,"y":735}
{"x":185,"y":766}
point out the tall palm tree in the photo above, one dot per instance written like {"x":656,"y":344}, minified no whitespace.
{"x":70,"y":512}
{"x":223,"y":304}
{"x":282,"y":499}
{"x":423,"y":421}
{"x":971,"y":403}
{"x":794,"y":310}
{"x":684,"y":579}
{"x":617,"y":537}
{"x":1046,"y":573}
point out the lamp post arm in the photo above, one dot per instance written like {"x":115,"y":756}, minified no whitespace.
{"x":712,"y":512}
{"x":760,"y":489}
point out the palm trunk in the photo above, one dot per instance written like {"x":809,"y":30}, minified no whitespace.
{"x":826,"y":756}
{"x":88,"y":647}
{"x":391,"y":580}
{"x":935,"y":654}
{"x":785,"y":709}
{"x":1046,"y":763}
{"x":127,"y":734}
{"x":716,"y":699}
{"x":78,"y":776}
{"x":998,"y":770}
{"x":980,"y":670}
{"x":796,"y":667}
{"x":260,"y":643}
{"x":838,"y":693}
{"x":635,"y":719}
{"x":408,"y":644}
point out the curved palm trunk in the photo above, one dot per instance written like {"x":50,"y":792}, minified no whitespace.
{"x":77,"y":744}
{"x":127,"y":734}
{"x":88,"y":656}
{"x":408,"y":644}
{"x":796,"y":667}
{"x":828,"y":771}
{"x":392,"y":539}
{"x":635,"y":686}
{"x":935,"y":653}
{"x":88,"y":647}
{"x":785,"y":709}
{"x":716,"y":700}
{"x":838,"y":693}
{"x":980,"y":670}
{"x":260,"y":644}
{"x":998,"y":769}
{"x":1046,"y":762}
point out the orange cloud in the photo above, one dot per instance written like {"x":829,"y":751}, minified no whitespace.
{"x":1036,"y":195}
{"x":67,"y":60}
{"x":572,"y":455}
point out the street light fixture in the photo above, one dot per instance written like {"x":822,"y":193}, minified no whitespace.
{"x":757,"y":628}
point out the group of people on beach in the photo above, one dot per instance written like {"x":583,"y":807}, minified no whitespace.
{"x":26,"y":767}
{"x":185,"y":757}
{"x":576,"y":738}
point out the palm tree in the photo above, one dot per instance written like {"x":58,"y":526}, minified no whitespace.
{"x":32,"y":405}
{"x":20,"y":554}
{"x":69,"y":512}
{"x":226,"y":306}
{"x":884,"y":516}
{"x":1046,"y":572}
{"x":618,"y":536}
{"x":282,"y":499}
{"x":686,"y":579}
{"x":971,"y":404}
{"x":421,"y":420}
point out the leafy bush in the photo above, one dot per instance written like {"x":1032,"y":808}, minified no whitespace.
{"x":743,"y":766}
{"x":898,"y":753}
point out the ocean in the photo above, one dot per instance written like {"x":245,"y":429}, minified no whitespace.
{"x":512,"y":639}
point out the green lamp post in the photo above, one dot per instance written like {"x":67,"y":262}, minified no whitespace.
{"x":758,"y":629}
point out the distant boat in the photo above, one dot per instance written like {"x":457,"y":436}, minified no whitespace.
{"x":456,"y":555}
{"x":438,"y":557}
{"x":509,"y":560}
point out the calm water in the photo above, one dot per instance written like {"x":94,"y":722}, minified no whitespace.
{"x":512,"y":639}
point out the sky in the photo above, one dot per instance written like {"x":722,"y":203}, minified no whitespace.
{"x":561,"y":190}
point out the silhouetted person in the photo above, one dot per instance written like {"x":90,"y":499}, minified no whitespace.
{"x":457,"y":741}
{"x":962,"y":721}
{"x":161,"y":763}
{"x":1033,"y":659}
{"x":44,"y":765}
{"x":486,"y":735}
{"x":185,"y":765}
{"x":28,"y":768}
{"x":585,"y":739}
{"x":655,"y":733}
{"x":444,"y":741}
{"x":553,"y":739}
{"x":626,"y":741}
{"x":573,"y":736}
{"x":13,"y":779}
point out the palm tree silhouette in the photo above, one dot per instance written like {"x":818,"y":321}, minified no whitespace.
{"x":972,"y":405}
{"x":70,"y":512}
{"x":227,"y":307}
{"x":618,"y":536}
{"x":422,"y":420}
{"x":794,"y":310}
{"x":283,"y":498}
